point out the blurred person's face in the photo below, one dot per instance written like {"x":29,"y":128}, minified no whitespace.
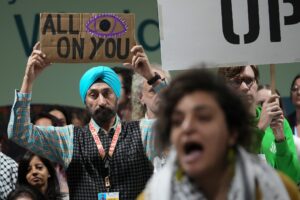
{"x":296,"y":93}
{"x":149,"y":98}
{"x":37,"y":174}
{"x":24,"y":198}
{"x":123,"y":98}
{"x":101,"y":102}
{"x":262,"y":95}
{"x":245,"y":82}
{"x":77,"y":122}
{"x":200,"y":134}
{"x":43,"y":122}
{"x":60,"y":116}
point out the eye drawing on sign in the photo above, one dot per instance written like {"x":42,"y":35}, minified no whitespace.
{"x":106,"y":26}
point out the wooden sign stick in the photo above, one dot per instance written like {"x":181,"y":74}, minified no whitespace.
{"x":272,"y":78}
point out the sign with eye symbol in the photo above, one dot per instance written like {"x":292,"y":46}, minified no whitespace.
{"x":87,"y":37}
{"x":106,"y":25}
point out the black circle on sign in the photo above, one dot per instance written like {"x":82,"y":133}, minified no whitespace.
{"x":104,"y":25}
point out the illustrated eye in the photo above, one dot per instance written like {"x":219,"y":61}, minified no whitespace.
{"x":106,"y":25}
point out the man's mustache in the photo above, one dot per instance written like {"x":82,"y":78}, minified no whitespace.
{"x":102,"y":109}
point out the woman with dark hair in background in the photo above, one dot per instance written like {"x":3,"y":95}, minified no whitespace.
{"x":47,"y":119}
{"x":210,"y":128}
{"x":294,"y":118}
{"x":39,"y":173}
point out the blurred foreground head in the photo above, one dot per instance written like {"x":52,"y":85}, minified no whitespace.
{"x":203,"y":119}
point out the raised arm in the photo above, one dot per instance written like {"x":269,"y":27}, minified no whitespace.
{"x":141,"y":65}
{"x":286,"y":159}
{"x":36,"y":63}
{"x":270,"y":111}
{"x":53,"y":143}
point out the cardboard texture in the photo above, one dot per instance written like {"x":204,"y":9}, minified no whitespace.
{"x":87,"y":37}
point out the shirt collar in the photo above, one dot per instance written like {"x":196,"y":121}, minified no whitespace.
{"x":112,"y":129}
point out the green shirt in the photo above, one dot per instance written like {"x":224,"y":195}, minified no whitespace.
{"x":280,"y":155}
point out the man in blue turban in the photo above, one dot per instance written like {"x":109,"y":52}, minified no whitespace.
{"x":101,"y":73}
{"x":105,"y":82}
{"x":106,"y":157}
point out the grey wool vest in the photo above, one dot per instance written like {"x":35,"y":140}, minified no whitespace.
{"x":130,"y":167}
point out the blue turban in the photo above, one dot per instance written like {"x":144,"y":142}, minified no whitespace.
{"x":103,"y":73}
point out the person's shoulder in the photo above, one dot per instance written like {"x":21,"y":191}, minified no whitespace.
{"x":128,"y":125}
{"x":6,"y":158}
{"x":290,"y":186}
{"x":7,"y":162}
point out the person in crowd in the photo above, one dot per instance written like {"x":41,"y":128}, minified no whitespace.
{"x":294,"y":117}
{"x":273,"y":136}
{"x":8,"y":147}
{"x":106,"y":157}
{"x":8,"y":175}
{"x":144,"y":98}
{"x":208,"y":159}
{"x":79,"y":117}
{"x":264,"y":93}
{"x":145,"y":105}
{"x":38,"y":172}
{"x":46,"y":119}
{"x":124,"y":103}
{"x":60,"y":113}
{"x":25,"y":193}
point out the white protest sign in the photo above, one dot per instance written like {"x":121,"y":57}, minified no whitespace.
{"x":228,"y":32}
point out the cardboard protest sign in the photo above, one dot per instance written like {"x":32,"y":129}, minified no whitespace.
{"x":87,"y":37}
{"x":228,"y":33}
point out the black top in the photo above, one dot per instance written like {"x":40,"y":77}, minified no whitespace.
{"x":130,"y":168}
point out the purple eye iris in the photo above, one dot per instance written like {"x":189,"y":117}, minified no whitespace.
{"x":106,"y":25}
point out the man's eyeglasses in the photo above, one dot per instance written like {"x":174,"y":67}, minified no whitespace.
{"x":236,"y":82}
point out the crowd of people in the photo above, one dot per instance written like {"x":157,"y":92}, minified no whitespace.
{"x":199,"y":136}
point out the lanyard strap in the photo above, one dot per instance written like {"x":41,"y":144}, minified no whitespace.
{"x":101,"y":150}
{"x":98,"y":141}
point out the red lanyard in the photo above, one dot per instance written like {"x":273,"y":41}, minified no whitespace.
{"x":101,"y":150}
{"x":98,"y":141}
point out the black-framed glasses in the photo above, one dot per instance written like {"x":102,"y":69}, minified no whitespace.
{"x":236,"y":82}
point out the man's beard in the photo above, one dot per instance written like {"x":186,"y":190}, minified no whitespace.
{"x":102,"y":115}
